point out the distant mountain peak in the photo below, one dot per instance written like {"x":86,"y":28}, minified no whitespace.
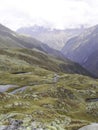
{"x":55,"y":38}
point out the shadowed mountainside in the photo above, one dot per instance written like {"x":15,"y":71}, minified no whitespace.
{"x":83,"y":49}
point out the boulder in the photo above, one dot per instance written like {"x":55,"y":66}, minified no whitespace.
{"x":90,"y":127}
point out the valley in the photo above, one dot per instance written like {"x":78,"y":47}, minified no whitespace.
{"x":41,"y":89}
{"x":55,"y":38}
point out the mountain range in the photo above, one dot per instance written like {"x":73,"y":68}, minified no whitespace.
{"x":54,"y":38}
{"x":34,"y":52}
{"x":79,"y":44}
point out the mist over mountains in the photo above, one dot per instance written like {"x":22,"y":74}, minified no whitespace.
{"x":55,"y":38}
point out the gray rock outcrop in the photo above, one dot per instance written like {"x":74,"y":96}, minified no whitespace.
{"x":90,"y":127}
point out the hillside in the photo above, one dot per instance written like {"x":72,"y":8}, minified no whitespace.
{"x":81,"y":48}
{"x":19,"y":60}
{"x":40,"y":89}
{"x":32,"y":95}
{"x":54,"y":38}
{"x":36,"y":101}
{"x":34,"y":52}
{"x":10,"y":39}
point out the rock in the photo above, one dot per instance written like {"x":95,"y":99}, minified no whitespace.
{"x":4,"y":88}
{"x":2,"y":127}
{"x":51,"y":128}
{"x":35,"y":96}
{"x":90,"y":127}
{"x":16,"y":122}
{"x":28,"y":128}
{"x":67,"y":121}
{"x":55,"y":78}
{"x":14,"y":125}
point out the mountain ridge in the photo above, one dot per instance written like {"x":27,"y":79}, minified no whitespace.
{"x":79,"y":48}
{"x":54,"y":38}
{"x":8,"y":36}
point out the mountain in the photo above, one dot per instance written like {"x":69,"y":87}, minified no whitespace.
{"x":54,"y":38}
{"x":33,"y":52}
{"x":83,"y":48}
{"x":11,"y":39}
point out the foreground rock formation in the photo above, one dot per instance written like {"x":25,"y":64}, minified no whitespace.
{"x":90,"y":127}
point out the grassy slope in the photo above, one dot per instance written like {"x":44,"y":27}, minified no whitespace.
{"x":43,"y":99}
{"x":24,"y":59}
{"x":47,"y":101}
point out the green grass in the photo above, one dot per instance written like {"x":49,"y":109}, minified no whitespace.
{"x":44,"y":100}
{"x":59,"y":99}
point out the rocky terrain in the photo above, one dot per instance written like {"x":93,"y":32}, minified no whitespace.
{"x":90,"y":127}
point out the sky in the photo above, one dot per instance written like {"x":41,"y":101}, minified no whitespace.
{"x":52,"y":13}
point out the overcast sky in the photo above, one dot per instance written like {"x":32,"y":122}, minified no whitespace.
{"x":54,"y":13}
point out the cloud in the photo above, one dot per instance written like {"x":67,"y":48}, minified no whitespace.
{"x":57,"y":13}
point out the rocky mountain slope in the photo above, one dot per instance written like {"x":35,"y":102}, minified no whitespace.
{"x":54,"y":38}
{"x":83,"y":49}
{"x":10,"y":39}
